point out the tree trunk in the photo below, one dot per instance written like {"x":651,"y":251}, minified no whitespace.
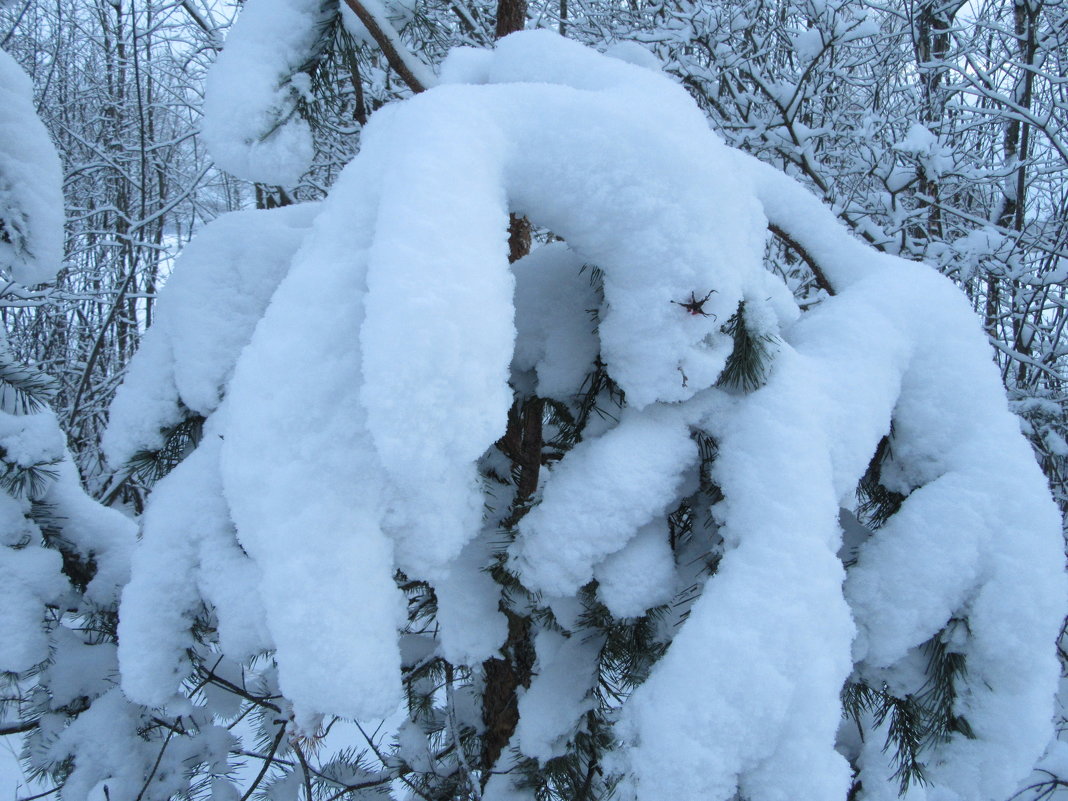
{"x":522,"y":443}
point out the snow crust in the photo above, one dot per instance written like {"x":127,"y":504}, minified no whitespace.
{"x":31,"y":181}
{"x":377,"y":378}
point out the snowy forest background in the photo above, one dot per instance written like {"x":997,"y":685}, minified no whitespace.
{"x":934,"y":131}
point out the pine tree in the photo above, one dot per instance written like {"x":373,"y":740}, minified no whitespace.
{"x":570,"y":522}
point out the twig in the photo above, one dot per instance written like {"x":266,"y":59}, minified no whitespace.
{"x":382,"y":759}
{"x":391,"y":47}
{"x":155,"y":767}
{"x":98,"y":344}
{"x":806,"y":257}
{"x":55,"y":789}
{"x":266,"y":762}
{"x":304,"y":768}
{"x":454,"y":733}
{"x":229,"y":685}
{"x":17,"y":728}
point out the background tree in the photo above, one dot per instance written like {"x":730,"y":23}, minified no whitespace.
{"x":117,"y":85}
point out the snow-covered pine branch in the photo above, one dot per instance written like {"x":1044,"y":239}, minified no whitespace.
{"x":63,"y":558}
{"x":31,"y":199}
{"x":677,"y":608}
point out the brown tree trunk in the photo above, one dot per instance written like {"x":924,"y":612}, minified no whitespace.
{"x":1017,"y":152}
{"x":511,"y":16}
{"x":387,"y":46}
{"x":522,"y":444}
{"x":504,"y":675}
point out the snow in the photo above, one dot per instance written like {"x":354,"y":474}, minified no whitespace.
{"x":429,"y":433}
{"x":221,"y":284}
{"x":31,"y":196}
{"x":413,"y":746}
{"x":30,"y":578}
{"x":30,"y":571}
{"x":554,"y":333}
{"x":771,"y":627}
{"x":78,"y":669}
{"x":923,"y":144}
{"x":28,"y":440}
{"x":503,"y":787}
{"x":1055,"y":442}
{"x":918,"y":140}
{"x":472,"y":627}
{"x":607,"y":488}
{"x":15,"y":528}
{"x":560,"y":692}
{"x":188,"y":552}
{"x":213,"y":305}
{"x":303,"y":481}
{"x":467,"y":65}
{"x":377,"y":377}
{"x":252,"y":125}
{"x":634,"y":53}
{"x":808,"y":43}
{"x":104,"y":536}
{"x":812,"y":225}
{"x":639,"y":576}
{"x":383,"y":14}
{"x":145,"y":404}
{"x":901,"y":344}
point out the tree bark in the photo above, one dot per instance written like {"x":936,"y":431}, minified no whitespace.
{"x":511,"y":16}
{"x":385,"y":43}
{"x":522,"y":443}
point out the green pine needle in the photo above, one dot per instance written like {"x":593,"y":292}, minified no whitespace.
{"x":179,"y":441}
{"x":750,"y":360}
{"x":877,"y":504}
{"x":24,"y":390}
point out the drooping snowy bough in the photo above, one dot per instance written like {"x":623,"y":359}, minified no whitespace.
{"x":63,"y":557}
{"x":356,"y":364}
{"x":58,"y":549}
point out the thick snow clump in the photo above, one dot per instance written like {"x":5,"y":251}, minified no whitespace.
{"x":31,"y":194}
